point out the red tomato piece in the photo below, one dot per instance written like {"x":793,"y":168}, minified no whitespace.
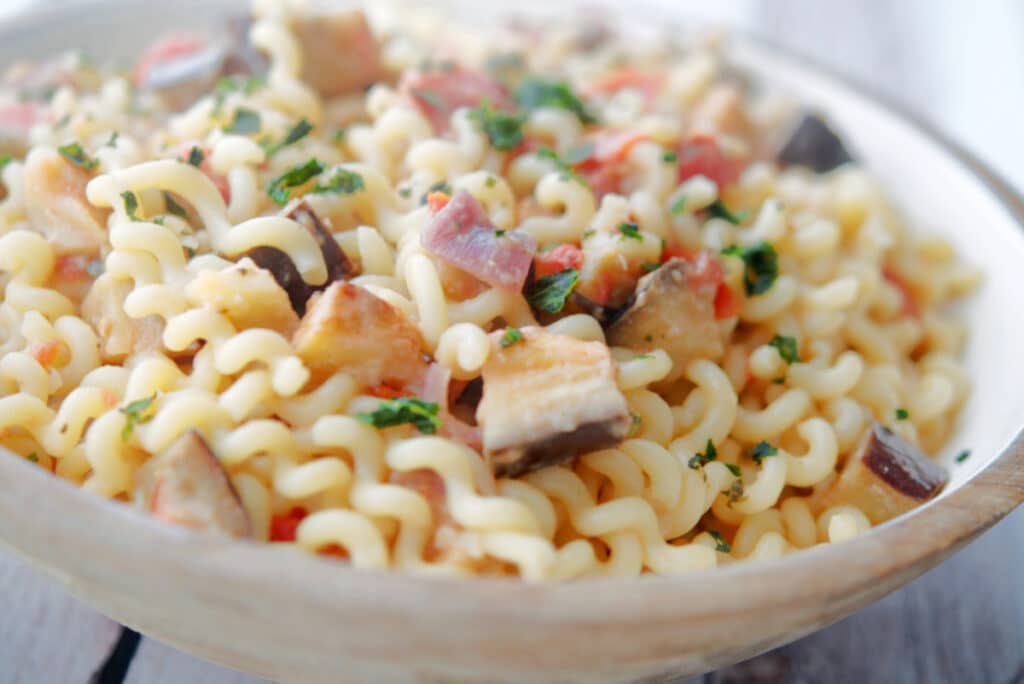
{"x":284,"y":526}
{"x":726,"y":304}
{"x":620,"y":79}
{"x":185,"y":149}
{"x":557,"y":259}
{"x":437,"y":201}
{"x":165,"y":49}
{"x":388,"y":392}
{"x":72,"y":268}
{"x":700,"y":155}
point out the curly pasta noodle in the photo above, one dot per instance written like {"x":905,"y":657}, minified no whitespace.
{"x":127,"y":227}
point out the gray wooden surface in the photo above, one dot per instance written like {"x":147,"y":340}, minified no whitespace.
{"x":958,"y":64}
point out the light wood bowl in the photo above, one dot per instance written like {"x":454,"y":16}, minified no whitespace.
{"x":297,"y":618}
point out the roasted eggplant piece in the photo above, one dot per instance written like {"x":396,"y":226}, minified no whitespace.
{"x":187,"y":485}
{"x":57,"y":207}
{"x":347,"y":328}
{"x":247,"y":294}
{"x":546,"y":399}
{"x":340,"y":54}
{"x":338,"y":265}
{"x":887,"y":477}
{"x":814,"y":145}
{"x":287,"y":275}
{"x":674,"y":310}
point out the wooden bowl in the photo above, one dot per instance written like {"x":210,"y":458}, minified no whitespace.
{"x":298,"y":618}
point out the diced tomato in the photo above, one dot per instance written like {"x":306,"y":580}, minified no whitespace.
{"x":602,"y":168}
{"x":165,"y":49}
{"x":700,"y":155}
{"x":437,"y":93}
{"x":726,"y":304}
{"x":388,"y":392}
{"x":46,"y":352}
{"x":21,"y":116}
{"x":72,"y":267}
{"x":909,"y":306}
{"x":438,"y":201}
{"x":672,"y":251}
{"x":185,"y":150}
{"x":707,"y":270}
{"x":620,"y":79}
{"x":334,"y":551}
{"x":557,"y":259}
{"x":283,"y":527}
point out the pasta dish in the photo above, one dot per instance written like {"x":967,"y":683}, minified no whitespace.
{"x":506,"y":300}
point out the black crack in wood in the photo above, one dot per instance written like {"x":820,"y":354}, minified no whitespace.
{"x":115,"y":668}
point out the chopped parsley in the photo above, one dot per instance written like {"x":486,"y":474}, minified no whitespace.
{"x":505,"y":131}
{"x":340,"y":135}
{"x":33,"y":457}
{"x":342,"y":181}
{"x":733,"y":468}
{"x":131,"y":205}
{"x":761,"y":266}
{"x":278,"y":189}
{"x":902,"y":414}
{"x":74,"y":153}
{"x":113,"y":140}
{"x":719,"y":210}
{"x":5,"y":159}
{"x":173,"y":207}
{"x":134,"y":415}
{"x":635,"y":423}
{"x":670,"y":157}
{"x":963,"y":456}
{"x":535,"y":93}
{"x":762,"y":451}
{"x":511,"y":336}
{"x":491,"y":182}
{"x":630,"y":231}
{"x":248,"y":85}
{"x":294,"y":135}
{"x":404,"y":410}
{"x":639,"y":357}
{"x":440,"y":186}
{"x":245,"y":121}
{"x":710,"y":454}
{"x":786,"y":347}
{"x":405,"y":192}
{"x":568,"y":173}
{"x":735,"y":491}
{"x":648,"y":267}
{"x":196,"y":156}
{"x":550,"y":292}
{"x":678,"y":207}
{"x":500,"y":233}
{"x":720,"y":543}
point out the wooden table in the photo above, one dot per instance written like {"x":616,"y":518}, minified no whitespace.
{"x":961,"y":623}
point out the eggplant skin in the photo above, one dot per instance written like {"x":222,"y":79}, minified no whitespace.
{"x":901,"y":465}
{"x":281,"y":266}
{"x":814,"y":145}
{"x":559,"y":448}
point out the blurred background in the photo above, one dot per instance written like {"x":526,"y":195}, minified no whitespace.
{"x":957,"y":65}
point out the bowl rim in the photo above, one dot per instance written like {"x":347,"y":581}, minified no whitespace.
{"x":909,"y":544}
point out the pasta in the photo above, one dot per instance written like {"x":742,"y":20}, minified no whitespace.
{"x":543,"y":305}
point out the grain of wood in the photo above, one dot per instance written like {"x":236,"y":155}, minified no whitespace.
{"x":45,"y":635}
{"x":157,"y":663}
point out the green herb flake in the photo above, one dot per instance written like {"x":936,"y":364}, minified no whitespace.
{"x":196,"y":156}
{"x":113,"y":140}
{"x":341,"y":181}
{"x":511,"y":336}
{"x":778,"y":381}
{"x":173,"y":207}
{"x":440,"y":186}
{"x":636,"y":421}
{"x":678,"y":207}
{"x":589,"y":233}
{"x":340,"y":135}
{"x":648,"y":267}
{"x":963,"y":456}
{"x":550,"y":292}
{"x":131,"y":205}
{"x":505,"y":131}
{"x":405,"y":193}
{"x":5,"y":159}
{"x":735,"y":492}
{"x":278,"y":189}
{"x":535,"y":93}
{"x":294,"y":135}
{"x":720,"y":543}
{"x":734,"y":469}
{"x":490,"y":182}
{"x":568,"y":173}
{"x":499,"y":233}
{"x":719,"y":210}
{"x":761,"y":266}
{"x":710,"y":454}
{"x":404,"y":411}
{"x":761,"y":451}
{"x":670,"y":157}
{"x":630,"y":231}
{"x":33,"y":457}
{"x":74,"y":153}
{"x":902,"y":414}
{"x":639,"y":357}
{"x":246,"y":121}
{"x":786,"y":347}
{"x":134,"y":412}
